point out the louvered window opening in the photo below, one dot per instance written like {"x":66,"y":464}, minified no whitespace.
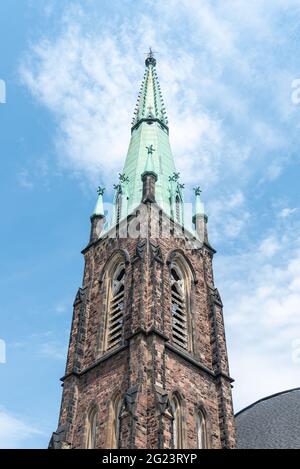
{"x":179,"y":317}
{"x":116,"y":310}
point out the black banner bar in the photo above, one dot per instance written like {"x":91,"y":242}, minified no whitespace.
{"x":142,"y":458}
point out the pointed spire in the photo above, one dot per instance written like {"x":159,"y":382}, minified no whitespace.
{"x":149,"y":152}
{"x":200,"y":218}
{"x":99,"y":210}
{"x":150,"y":105}
{"x":199,"y":207}
{"x":98,"y":217}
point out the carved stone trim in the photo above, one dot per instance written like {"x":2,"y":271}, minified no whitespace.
{"x":130,"y":400}
{"x":81,"y":302}
{"x":215,"y":296}
{"x":57,"y":440}
{"x":162,"y":399}
{"x":156,"y":253}
{"x":80,"y":296}
{"x":140,"y":249}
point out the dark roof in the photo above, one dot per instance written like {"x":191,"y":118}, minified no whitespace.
{"x":272,"y":422}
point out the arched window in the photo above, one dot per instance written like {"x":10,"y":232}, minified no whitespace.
{"x":115,"y":309}
{"x":176,"y":422}
{"x":180,"y":298}
{"x":114,"y":423}
{"x":91,"y":428}
{"x":201,"y":430}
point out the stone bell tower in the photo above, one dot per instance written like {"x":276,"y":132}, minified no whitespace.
{"x":147,"y":364}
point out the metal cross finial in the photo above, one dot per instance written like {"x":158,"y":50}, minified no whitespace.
{"x":123,"y":178}
{"x":197,"y":190}
{"x":181,"y":186}
{"x":100,"y":190}
{"x":150,"y":59}
{"x":174,"y":177}
{"x":150,"y":149}
{"x":151,"y":53}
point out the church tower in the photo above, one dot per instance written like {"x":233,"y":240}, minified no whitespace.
{"x":147,"y":363}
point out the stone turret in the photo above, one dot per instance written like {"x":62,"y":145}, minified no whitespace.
{"x":98,"y":217}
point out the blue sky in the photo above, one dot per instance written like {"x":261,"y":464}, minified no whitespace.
{"x":72,"y":72}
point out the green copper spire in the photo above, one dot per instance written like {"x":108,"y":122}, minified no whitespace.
{"x":99,"y":210}
{"x":149,"y":146}
{"x":150,"y":104}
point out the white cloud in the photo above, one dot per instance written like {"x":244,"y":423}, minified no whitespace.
{"x":36,"y":173}
{"x":44,"y":343}
{"x":261,"y":293}
{"x":274,"y":171}
{"x":54,"y":350}
{"x":25,"y":179}
{"x":286,"y":212}
{"x":14,"y":431}
{"x":257,"y":376}
{"x":229,"y":215}
{"x":61,"y":308}
{"x":90,"y":82}
{"x":269,"y":246}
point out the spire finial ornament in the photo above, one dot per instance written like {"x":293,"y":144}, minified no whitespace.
{"x":197,"y":190}
{"x":150,"y":60}
{"x":123,"y":177}
{"x":100,"y":190}
{"x":174,"y":177}
{"x":150,"y":149}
